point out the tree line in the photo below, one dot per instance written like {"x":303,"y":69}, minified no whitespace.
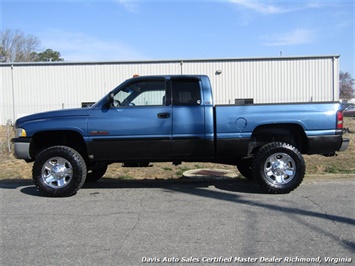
{"x":19,"y":47}
{"x":346,"y":86}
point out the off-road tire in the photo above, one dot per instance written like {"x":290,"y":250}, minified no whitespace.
{"x":278,"y":167}
{"x":96,"y":172}
{"x":244,"y":167}
{"x":59,"y":171}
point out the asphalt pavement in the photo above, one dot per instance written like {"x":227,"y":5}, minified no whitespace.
{"x":179,"y":222}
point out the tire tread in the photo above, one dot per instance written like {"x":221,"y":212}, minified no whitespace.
{"x":266,"y":151}
{"x":79,"y":168}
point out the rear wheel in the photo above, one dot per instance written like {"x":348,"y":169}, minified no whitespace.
{"x":278,"y":167}
{"x":96,"y":171}
{"x":59,"y":171}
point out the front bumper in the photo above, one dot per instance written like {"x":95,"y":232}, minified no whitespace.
{"x":344,"y":145}
{"x":21,"y":148}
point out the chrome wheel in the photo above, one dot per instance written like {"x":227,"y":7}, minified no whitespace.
{"x":279,"y":168}
{"x":57,"y":172}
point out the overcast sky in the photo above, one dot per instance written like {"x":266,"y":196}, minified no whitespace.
{"x":153,"y":30}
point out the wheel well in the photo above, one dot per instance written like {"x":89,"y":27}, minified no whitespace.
{"x":46,"y":139}
{"x":288,"y":133}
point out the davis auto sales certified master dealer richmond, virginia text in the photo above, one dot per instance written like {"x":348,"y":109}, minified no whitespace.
{"x":221,"y":259}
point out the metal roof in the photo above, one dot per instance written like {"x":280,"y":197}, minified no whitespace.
{"x":169,"y":60}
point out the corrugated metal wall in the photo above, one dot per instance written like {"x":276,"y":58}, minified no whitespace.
{"x":36,"y":87}
{"x":272,"y":80}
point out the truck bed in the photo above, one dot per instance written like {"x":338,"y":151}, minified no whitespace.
{"x":239,"y":122}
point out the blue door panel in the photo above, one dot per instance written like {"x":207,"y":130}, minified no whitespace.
{"x":188,"y":137}
{"x":126,"y":133}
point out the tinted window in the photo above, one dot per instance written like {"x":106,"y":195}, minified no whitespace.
{"x":186,"y":92}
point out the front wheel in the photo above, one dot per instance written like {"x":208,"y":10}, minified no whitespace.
{"x":278,"y":167}
{"x":59,"y":171}
{"x":244,"y":167}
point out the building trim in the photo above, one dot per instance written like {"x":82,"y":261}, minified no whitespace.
{"x":167,"y":61}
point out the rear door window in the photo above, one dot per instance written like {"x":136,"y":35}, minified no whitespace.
{"x":186,"y":92}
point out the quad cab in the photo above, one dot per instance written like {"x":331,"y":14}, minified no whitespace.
{"x":173,"y":119}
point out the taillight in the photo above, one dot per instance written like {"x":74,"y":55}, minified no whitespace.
{"x":340,"y":120}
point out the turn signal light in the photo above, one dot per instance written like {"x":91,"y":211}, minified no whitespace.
{"x":20,"y":132}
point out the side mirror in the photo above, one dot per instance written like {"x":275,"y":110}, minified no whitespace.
{"x":110,"y":96}
{"x":110,"y":99}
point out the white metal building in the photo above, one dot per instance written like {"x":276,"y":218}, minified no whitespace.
{"x":28,"y":88}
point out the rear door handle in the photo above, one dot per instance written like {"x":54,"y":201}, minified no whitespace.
{"x":163,"y":115}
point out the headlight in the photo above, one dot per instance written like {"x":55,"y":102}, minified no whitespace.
{"x":20,"y":132}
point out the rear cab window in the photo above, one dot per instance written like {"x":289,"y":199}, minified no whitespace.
{"x":186,"y":91}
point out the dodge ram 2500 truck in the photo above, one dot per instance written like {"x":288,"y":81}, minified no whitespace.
{"x":173,"y":119}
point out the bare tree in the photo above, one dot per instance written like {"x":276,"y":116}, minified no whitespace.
{"x":17,"y":47}
{"x":346,"y":85}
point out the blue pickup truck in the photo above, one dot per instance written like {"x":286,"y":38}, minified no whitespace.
{"x":173,"y":119}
